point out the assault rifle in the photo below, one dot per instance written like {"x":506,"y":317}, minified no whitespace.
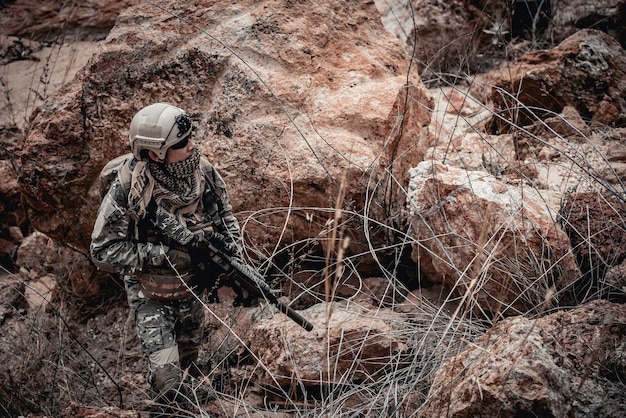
{"x":221,"y":253}
{"x":247,"y":277}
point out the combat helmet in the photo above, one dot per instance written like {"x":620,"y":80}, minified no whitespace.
{"x":156,"y":128}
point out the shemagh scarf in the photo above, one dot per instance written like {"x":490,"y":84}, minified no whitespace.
{"x":176,"y":187}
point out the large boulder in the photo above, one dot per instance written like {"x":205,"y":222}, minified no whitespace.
{"x":587,"y":71}
{"x":289,"y":99}
{"x":497,"y":245}
{"x":568,"y":364}
{"x":348,"y":343}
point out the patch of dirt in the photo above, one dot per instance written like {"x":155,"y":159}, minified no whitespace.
{"x":58,"y":355}
{"x":31,"y":71}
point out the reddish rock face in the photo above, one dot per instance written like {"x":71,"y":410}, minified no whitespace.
{"x":566,"y":364}
{"x":491,"y":244}
{"x":49,"y":20}
{"x":595,"y":225}
{"x":359,"y":344}
{"x":586,"y":71}
{"x":287,"y":102}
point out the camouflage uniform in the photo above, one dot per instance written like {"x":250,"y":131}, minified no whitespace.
{"x":170,"y":327}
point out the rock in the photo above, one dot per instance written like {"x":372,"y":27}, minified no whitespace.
{"x":50,"y":20}
{"x":565,"y":364}
{"x":75,"y":266}
{"x":82,"y":411}
{"x":476,"y":151}
{"x":16,"y":234}
{"x":617,"y":151}
{"x":439,"y":34}
{"x":285,"y":108}
{"x":7,"y":253}
{"x":595,"y":223}
{"x":614,"y":283}
{"x":457,"y":113}
{"x":12,"y":300}
{"x":347,"y":343}
{"x":32,"y":253}
{"x":568,"y":125}
{"x":573,"y":15}
{"x":587,"y":71}
{"x":39,"y":292}
{"x":12,"y":212}
{"x":39,"y":254}
{"x":497,"y":246}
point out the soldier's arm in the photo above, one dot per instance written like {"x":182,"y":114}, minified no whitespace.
{"x":112,"y":247}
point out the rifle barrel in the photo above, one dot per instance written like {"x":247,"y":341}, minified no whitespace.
{"x":295,"y":316}
{"x":173,"y":229}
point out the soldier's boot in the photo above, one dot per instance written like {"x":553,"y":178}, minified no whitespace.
{"x":168,"y":386}
{"x":199,"y":386}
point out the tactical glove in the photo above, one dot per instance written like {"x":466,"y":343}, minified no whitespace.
{"x":181,"y":260}
{"x":199,"y":252}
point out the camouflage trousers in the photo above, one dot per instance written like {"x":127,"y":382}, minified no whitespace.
{"x":170,"y":332}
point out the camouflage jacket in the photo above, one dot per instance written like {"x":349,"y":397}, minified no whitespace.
{"x":120,"y":246}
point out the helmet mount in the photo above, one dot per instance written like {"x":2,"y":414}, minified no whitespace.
{"x":184,"y":125}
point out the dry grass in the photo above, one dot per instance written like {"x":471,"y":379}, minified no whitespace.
{"x":48,"y":365}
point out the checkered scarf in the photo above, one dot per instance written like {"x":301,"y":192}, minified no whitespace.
{"x":176,"y":187}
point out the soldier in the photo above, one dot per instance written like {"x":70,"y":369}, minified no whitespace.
{"x":164,"y":172}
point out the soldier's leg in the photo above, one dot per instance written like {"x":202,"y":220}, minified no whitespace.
{"x":190,"y":333}
{"x":155,"y":324}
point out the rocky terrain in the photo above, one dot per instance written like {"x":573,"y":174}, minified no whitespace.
{"x":439,"y":187}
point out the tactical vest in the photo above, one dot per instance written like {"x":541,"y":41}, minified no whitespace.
{"x":163,"y":282}
{"x":159,"y":282}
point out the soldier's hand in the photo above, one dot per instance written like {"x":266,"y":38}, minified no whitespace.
{"x":180,"y":260}
{"x":199,"y":252}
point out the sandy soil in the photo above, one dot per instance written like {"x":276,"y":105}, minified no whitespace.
{"x":38,"y":74}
